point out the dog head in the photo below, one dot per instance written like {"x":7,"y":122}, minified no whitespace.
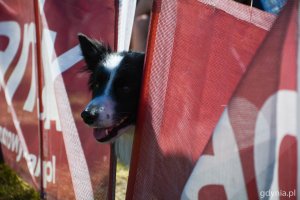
{"x":115,"y":81}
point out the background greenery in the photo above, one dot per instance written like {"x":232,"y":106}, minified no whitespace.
{"x":13,"y":187}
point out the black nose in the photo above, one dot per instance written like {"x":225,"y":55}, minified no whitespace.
{"x":89,"y":117}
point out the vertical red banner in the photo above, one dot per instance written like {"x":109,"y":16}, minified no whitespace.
{"x":196,"y":59}
{"x":74,"y":166}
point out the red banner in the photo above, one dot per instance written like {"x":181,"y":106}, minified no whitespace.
{"x":191,"y":142}
{"x":253,"y":151}
{"x":73,"y":165}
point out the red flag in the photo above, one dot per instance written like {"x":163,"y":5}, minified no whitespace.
{"x":73,"y":164}
{"x":253,"y":152}
{"x":198,"y":51}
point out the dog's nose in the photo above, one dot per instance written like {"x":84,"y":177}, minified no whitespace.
{"x":89,"y":117}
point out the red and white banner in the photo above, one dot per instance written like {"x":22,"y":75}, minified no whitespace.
{"x":74,"y":166}
{"x":219,"y":109}
{"x":254,"y":152}
{"x":219,"y":117}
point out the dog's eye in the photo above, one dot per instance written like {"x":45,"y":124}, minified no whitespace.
{"x":96,"y":86}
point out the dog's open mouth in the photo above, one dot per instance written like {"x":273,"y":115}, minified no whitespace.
{"x":107,"y":134}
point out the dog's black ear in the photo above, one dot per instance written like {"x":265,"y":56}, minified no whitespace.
{"x":93,"y":51}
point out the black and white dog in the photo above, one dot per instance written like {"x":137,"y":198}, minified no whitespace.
{"x":115,"y":81}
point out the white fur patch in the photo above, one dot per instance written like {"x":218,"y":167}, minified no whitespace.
{"x":112,"y":61}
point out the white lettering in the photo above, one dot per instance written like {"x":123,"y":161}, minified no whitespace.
{"x":276,"y":119}
{"x":11,"y":141}
{"x":48,"y":95}
{"x":207,"y":170}
{"x":31,"y":160}
{"x":48,"y":170}
{"x":52,"y":67}
{"x":14,"y":143}
{"x":15,"y":79}
{"x":20,"y":152}
{"x":38,"y":168}
{"x":11,"y":30}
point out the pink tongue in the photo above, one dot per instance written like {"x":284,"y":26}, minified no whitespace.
{"x":99,"y":133}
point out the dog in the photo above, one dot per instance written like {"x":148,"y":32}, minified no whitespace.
{"x":115,"y":82}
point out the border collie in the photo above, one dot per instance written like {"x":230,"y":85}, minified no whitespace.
{"x":115,"y":81}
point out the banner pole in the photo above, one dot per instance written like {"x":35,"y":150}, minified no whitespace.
{"x":113,"y":159}
{"x":39,"y":96}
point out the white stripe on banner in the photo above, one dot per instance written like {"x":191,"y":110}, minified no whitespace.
{"x":162,"y":57}
{"x":125,"y":23}
{"x":77,"y":163}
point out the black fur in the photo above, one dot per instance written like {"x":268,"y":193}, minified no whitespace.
{"x":124,"y":88}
